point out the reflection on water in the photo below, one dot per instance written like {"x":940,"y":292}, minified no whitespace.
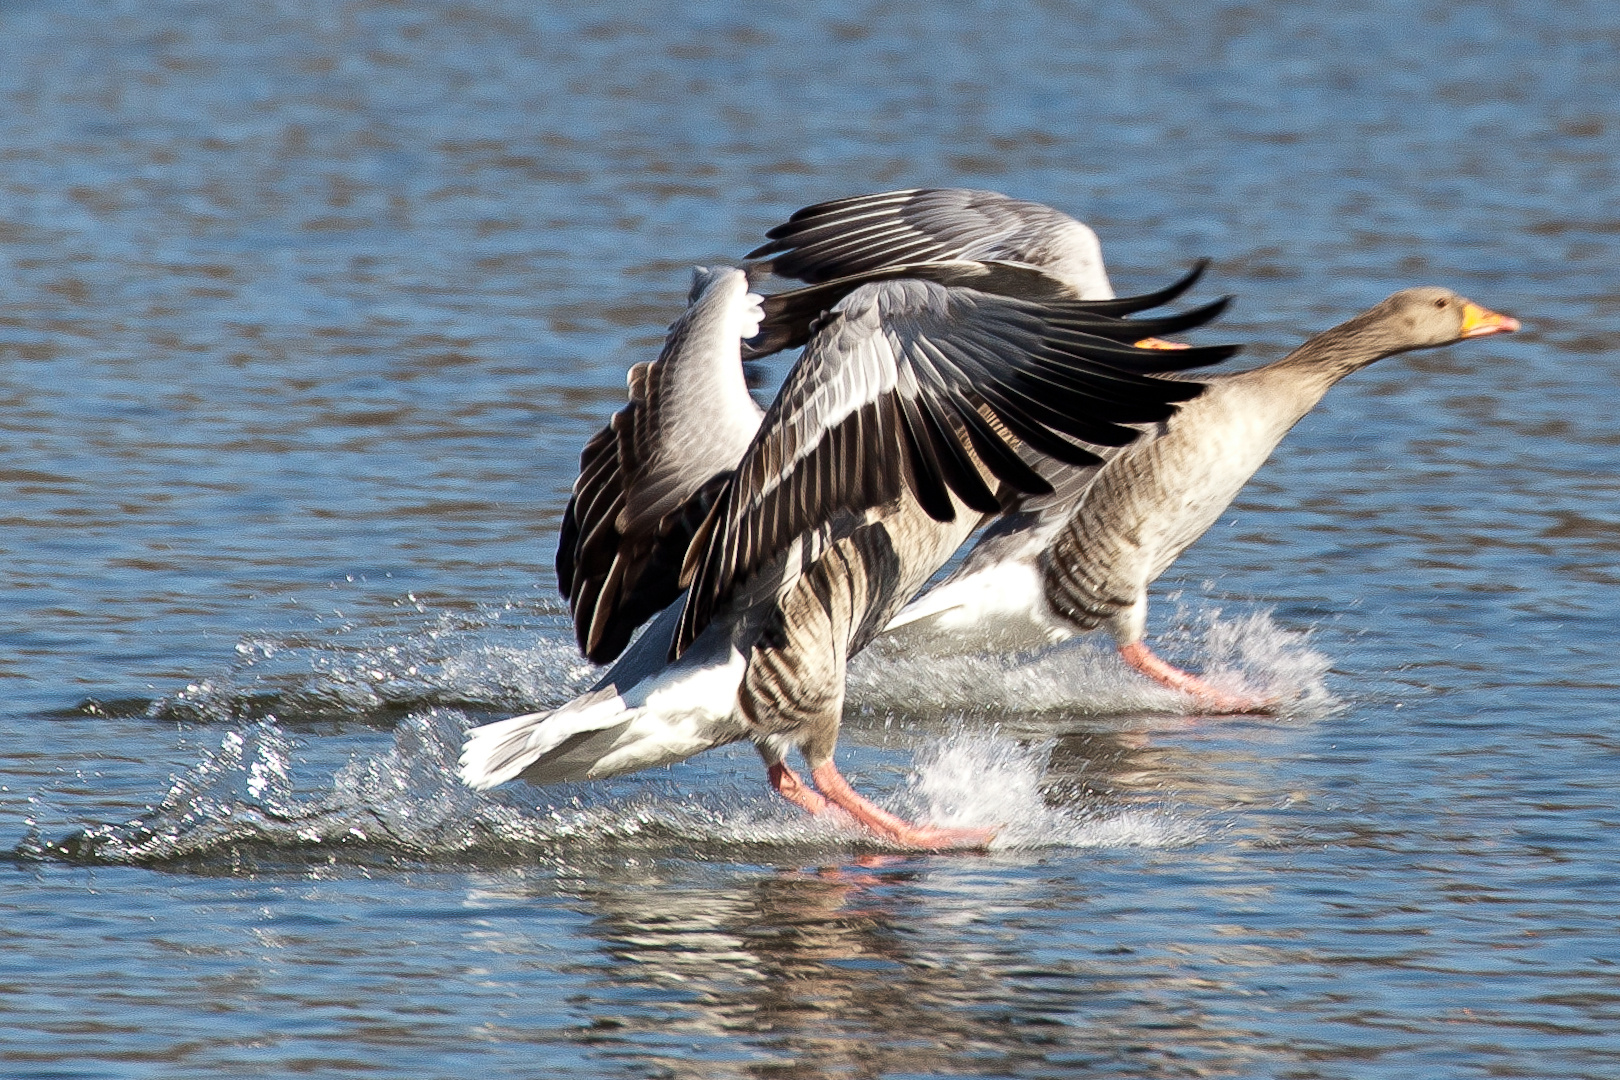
{"x":880,"y":966}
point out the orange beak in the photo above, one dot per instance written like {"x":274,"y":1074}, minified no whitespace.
{"x":1160,"y":343}
{"x":1478,"y":322}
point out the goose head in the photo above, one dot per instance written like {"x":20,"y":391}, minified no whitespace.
{"x":1427,"y":318}
{"x":1423,"y":318}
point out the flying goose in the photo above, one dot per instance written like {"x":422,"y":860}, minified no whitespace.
{"x":1083,"y":555}
{"x":918,"y":407}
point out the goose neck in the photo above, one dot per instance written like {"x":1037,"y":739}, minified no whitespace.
{"x":1331,"y":355}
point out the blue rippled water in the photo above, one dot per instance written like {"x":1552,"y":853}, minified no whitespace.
{"x":305,"y":311}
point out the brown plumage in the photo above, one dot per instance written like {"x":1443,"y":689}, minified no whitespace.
{"x":1154,"y":498}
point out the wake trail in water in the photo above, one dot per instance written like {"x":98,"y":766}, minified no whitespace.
{"x":238,"y":809}
{"x":239,"y":806}
{"x":413,"y":660}
{"x":487,"y":664}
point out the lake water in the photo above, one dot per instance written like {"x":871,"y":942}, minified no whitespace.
{"x":305,"y":312}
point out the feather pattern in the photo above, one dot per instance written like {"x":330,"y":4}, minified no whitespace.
{"x":1084,"y":557}
{"x":980,"y":239}
{"x":648,"y":479}
{"x":947,"y":372}
{"x":897,"y":376}
{"x":792,"y":317}
{"x":850,"y":236}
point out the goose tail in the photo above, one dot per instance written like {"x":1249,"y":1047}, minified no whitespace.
{"x":546,"y":747}
{"x":608,"y":733}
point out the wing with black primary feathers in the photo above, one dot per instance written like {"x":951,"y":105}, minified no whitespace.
{"x":910,"y":385}
{"x":792,"y":316}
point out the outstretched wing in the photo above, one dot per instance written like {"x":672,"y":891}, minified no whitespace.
{"x":866,"y":232}
{"x":790,"y":317}
{"x":913,"y":386}
{"x":648,"y":479}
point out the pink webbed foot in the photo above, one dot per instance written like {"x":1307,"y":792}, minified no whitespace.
{"x":1142,"y":658}
{"x":832,"y":792}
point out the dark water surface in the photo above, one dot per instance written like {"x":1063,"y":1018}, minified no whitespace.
{"x":305,"y":311}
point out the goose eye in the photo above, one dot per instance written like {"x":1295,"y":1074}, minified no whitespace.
{"x":1442,"y":302}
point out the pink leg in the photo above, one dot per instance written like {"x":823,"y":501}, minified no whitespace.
{"x":832,"y":784}
{"x":1140,"y":657}
{"x":796,"y":791}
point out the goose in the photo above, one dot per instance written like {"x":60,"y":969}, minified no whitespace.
{"x":1082,"y":556}
{"x":1047,"y":578}
{"x":919,"y":407}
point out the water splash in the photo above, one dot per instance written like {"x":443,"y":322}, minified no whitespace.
{"x":238,"y":810}
{"x":479,"y":661}
{"x":379,"y":673}
{"x":1250,"y":655}
{"x":982,"y":780}
{"x":239,"y":793}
